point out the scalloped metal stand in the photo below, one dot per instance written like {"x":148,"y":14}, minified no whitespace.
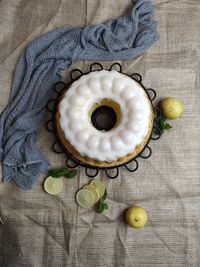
{"x":71,"y":161}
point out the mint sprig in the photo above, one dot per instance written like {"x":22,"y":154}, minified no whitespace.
{"x":70,"y":174}
{"x":162,"y":124}
{"x":102,"y":205}
{"x":63,"y":172}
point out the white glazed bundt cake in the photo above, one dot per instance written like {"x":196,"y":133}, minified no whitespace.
{"x":129,"y":117}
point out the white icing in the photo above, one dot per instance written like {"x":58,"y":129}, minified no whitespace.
{"x":133,"y":127}
{"x":118,"y":86}
{"x":127,"y":93}
{"x":138,"y":104}
{"x":83,"y":91}
{"x":93,"y":142}
{"x":106,"y":84}
{"x":138,"y":116}
{"x":92,"y":88}
{"x":104,"y":144}
{"x":116,"y":143}
{"x":77,"y":100}
{"x":82,"y":135}
{"x":71,"y":114}
{"x":94,"y":85}
{"x":76,"y":126}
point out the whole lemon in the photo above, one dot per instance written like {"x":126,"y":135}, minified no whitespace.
{"x":171,"y":108}
{"x":136,"y":217}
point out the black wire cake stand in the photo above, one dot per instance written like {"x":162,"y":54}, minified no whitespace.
{"x":71,"y":161}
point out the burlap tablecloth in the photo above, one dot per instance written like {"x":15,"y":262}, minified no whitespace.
{"x":37,"y":229}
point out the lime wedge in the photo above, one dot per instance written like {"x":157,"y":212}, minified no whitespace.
{"x":53,"y":185}
{"x":85,"y":198}
{"x":93,"y":191}
{"x":99,"y":186}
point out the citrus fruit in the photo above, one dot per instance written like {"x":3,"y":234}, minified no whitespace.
{"x":171,"y":108}
{"x":93,"y":191}
{"x":99,"y":186}
{"x":53,"y":185}
{"x":136,"y":217}
{"x":85,"y":198}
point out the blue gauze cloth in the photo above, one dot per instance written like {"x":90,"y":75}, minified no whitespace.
{"x":39,"y":68}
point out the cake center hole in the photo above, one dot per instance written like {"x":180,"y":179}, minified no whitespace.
{"x":104,"y":118}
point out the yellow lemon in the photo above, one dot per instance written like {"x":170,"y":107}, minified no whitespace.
{"x":136,"y":217}
{"x":171,"y":108}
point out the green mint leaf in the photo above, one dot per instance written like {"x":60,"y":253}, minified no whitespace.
{"x":104,"y":196}
{"x":100,"y":208}
{"x":162,"y":124}
{"x":101,"y":204}
{"x":70,"y":174}
{"x":57,"y":173}
{"x":167,"y":126}
{"x":163,"y":118}
{"x":105,"y":205}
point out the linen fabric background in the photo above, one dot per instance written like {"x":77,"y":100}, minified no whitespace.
{"x":37,"y":229}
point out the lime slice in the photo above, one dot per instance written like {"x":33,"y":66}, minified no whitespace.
{"x":85,"y":198}
{"x":53,"y":185}
{"x":93,"y":191}
{"x":99,"y":186}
